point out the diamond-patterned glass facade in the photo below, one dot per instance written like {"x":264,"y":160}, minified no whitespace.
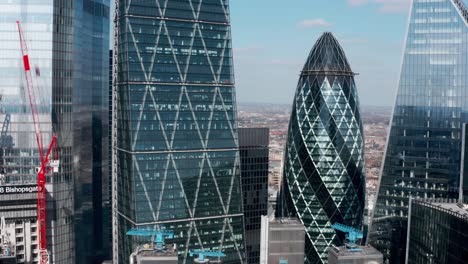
{"x":176,"y":146}
{"x":323,"y":180}
{"x":424,"y":147}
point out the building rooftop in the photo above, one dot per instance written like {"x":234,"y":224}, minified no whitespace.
{"x":148,"y":250}
{"x":286,"y":221}
{"x":289,"y":223}
{"x":343,"y":252}
{"x":327,"y":56}
{"x":152,"y":253}
{"x":449,"y":206}
{"x":461,"y":209}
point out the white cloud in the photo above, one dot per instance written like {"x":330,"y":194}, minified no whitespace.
{"x":248,"y":49}
{"x":354,"y":41}
{"x":282,"y":62}
{"x":357,"y":2}
{"x":385,"y":6}
{"x":393,"y":6}
{"x":319,"y":22}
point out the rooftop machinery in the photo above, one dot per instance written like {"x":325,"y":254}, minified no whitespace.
{"x":352,"y":235}
{"x":157,"y":251}
{"x":204,"y":253}
{"x":47,"y":164}
{"x":158,"y":236}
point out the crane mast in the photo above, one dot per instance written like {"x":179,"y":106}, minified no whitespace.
{"x":45,"y":165}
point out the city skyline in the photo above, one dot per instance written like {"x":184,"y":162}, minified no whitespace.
{"x":181,"y":139}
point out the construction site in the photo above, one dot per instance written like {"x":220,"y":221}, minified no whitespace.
{"x":28,"y":154}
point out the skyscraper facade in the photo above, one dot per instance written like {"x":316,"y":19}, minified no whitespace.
{"x":323,"y":179}
{"x":175,"y":162}
{"x":463,"y":191}
{"x":437,"y":232}
{"x":254,"y":151}
{"x":68,"y":43}
{"x":423,"y":152}
{"x":91,"y":22}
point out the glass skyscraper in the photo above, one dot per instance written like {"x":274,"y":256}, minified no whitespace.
{"x":423,"y":155}
{"x":254,"y":161}
{"x":175,"y":162}
{"x":463,"y":193}
{"x":68,"y":43}
{"x":91,"y":23}
{"x":323,"y":179}
{"x":437,"y":232}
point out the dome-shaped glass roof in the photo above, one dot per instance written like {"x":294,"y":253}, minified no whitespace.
{"x":327,"y":55}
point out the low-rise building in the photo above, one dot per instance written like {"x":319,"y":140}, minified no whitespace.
{"x":18,"y":224}
{"x":359,"y":255}
{"x":147,"y":254}
{"x":282,"y":241}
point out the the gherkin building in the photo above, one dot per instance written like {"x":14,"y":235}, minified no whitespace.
{"x":323,"y":178}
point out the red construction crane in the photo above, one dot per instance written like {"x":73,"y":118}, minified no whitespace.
{"x":46,"y":164}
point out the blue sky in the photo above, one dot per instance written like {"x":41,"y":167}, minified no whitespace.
{"x":272,"y":38}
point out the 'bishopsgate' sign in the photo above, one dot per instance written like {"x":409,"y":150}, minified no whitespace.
{"x":12,"y":189}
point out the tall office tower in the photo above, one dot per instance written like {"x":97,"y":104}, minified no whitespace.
{"x":463,"y":192}
{"x":90,"y":129}
{"x":68,"y":45}
{"x":254,"y":151}
{"x":423,"y":152}
{"x":323,"y":180}
{"x":437,"y":232}
{"x":174,"y":129}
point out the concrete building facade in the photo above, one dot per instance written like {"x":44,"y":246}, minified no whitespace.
{"x":282,"y":241}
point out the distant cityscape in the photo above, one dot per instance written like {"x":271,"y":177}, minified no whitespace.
{"x":375,"y":120}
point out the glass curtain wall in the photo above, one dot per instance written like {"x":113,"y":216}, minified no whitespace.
{"x":90,"y":129}
{"x":177,"y":147}
{"x":49,"y":48}
{"x":323,"y":180}
{"x":424,"y":147}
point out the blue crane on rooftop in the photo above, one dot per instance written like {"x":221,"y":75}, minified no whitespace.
{"x":352,"y":235}
{"x":205,"y":253}
{"x":159,"y":236}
